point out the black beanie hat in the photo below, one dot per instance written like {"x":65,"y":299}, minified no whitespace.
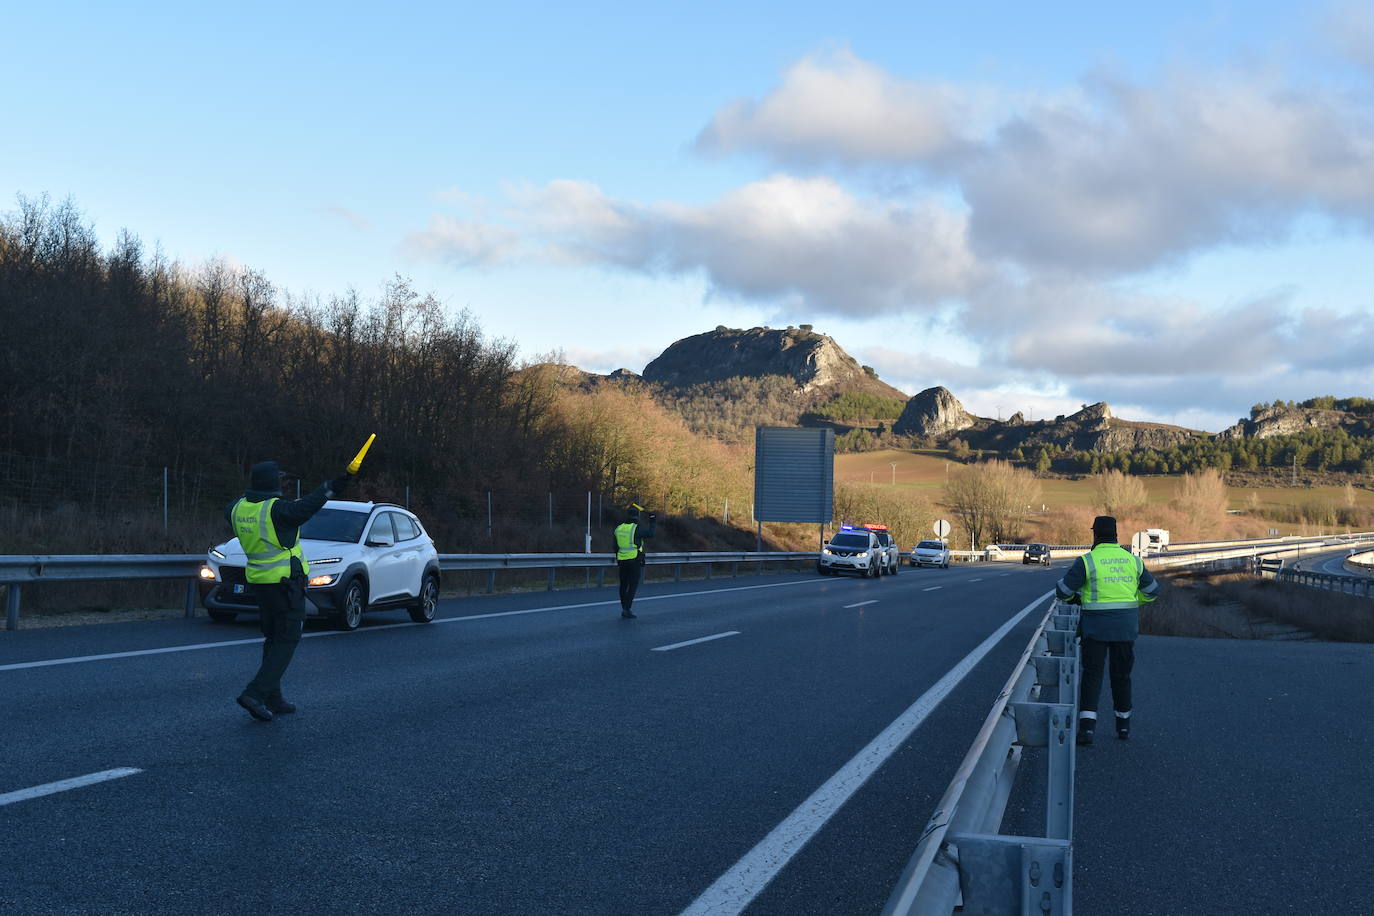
{"x":1104,"y":529}
{"x":266,"y":476}
{"x":632,"y":514}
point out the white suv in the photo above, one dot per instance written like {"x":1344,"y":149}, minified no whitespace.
{"x":363,"y":557}
{"x":853,"y":550}
{"x":892,"y":554}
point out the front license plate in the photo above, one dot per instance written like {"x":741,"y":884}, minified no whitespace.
{"x":238,"y":589}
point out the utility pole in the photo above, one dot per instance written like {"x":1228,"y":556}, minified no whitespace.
{"x":894,"y":472}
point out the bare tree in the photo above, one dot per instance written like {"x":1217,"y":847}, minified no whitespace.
{"x":1116,"y":493}
{"x":992,"y":500}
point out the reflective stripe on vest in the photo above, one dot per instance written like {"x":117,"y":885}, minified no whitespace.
{"x":268,"y":561}
{"x":1113,"y":579}
{"x":626,"y":549}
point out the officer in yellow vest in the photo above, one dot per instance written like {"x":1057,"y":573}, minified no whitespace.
{"x":267,"y":528}
{"x":1110,"y":583}
{"x":629,"y":556}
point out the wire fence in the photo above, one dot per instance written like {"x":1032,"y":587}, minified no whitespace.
{"x":178,"y":504}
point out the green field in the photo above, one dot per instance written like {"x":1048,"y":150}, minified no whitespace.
{"x":926,"y":470}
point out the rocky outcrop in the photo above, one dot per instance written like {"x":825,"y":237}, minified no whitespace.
{"x":1283,"y":421}
{"x":1125,"y":436}
{"x":814,"y":361}
{"x":933,"y":412}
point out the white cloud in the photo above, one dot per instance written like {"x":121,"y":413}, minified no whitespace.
{"x":1108,"y":178}
{"x":464,"y":243}
{"x":782,"y":240}
{"x":842,"y":108}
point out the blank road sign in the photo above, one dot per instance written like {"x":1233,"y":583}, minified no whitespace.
{"x":794,"y":474}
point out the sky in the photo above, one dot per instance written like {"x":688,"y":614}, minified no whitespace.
{"x":1166,"y":206}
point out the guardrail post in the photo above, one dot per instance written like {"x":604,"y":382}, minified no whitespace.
{"x":600,"y":576}
{"x":734,"y":570}
{"x":491,"y":581}
{"x":12,"y":606}
{"x":677,"y":572}
{"x":1014,"y":874}
{"x":708,"y":570}
{"x":191,"y":599}
{"x":553,"y":571}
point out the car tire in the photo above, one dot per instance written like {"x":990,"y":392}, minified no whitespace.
{"x":352,"y":605}
{"x":896,"y":567}
{"x":222,"y":616}
{"x":874,"y":571}
{"x":428,"y":602}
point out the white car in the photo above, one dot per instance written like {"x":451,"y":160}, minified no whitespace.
{"x":930,"y":553}
{"x":854,"y":550}
{"x":892,"y":554}
{"x":363,"y":557}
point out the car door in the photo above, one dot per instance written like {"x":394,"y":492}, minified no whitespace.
{"x":385,"y":564}
{"x":412,"y":551}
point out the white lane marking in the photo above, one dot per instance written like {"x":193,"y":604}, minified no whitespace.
{"x":860,"y":604}
{"x":75,"y":782}
{"x":933,"y":588}
{"x":693,"y":642}
{"x":388,"y":626}
{"x":979,"y":579}
{"x":733,"y":891}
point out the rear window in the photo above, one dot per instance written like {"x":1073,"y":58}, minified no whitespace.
{"x":930,"y":545}
{"x":406,"y":528}
{"x":335,"y":525}
{"x":849,"y":540}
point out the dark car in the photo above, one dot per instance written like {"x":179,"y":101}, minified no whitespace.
{"x":1037,"y":553}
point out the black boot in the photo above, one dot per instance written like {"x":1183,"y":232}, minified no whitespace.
{"x":1085,"y":731}
{"x":1123,"y":727}
{"x":628,"y":614}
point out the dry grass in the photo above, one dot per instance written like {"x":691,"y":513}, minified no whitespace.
{"x":1242,"y":606}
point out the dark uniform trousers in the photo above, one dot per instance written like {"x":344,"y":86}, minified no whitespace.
{"x":630,"y":572}
{"x":1096,"y":654}
{"x":282,"y":618}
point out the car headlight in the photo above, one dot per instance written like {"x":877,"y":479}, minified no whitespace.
{"x":330,"y":579}
{"x":208,"y":574}
{"x":216,"y":554}
{"x":826,"y":551}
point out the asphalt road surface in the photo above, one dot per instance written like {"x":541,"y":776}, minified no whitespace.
{"x":523,"y":754}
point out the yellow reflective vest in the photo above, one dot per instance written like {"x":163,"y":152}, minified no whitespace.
{"x":625,"y":546}
{"x":268,"y":560}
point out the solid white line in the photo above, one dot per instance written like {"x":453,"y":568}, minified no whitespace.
{"x":388,"y":626}
{"x":734,"y":890}
{"x":932,"y":588}
{"x":693,"y":642}
{"x":75,"y":782}
{"x":861,"y":604}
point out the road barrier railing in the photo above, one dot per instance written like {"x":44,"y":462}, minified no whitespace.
{"x":1348,"y":585}
{"x":18,"y":571}
{"x":963,"y":858}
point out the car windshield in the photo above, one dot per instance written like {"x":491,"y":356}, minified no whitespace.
{"x":849,"y":540}
{"x":1038,"y":548}
{"x":882,"y":537}
{"x":930,"y":545}
{"x":335,"y":525}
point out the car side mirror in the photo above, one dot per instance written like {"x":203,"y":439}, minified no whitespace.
{"x":381,"y":540}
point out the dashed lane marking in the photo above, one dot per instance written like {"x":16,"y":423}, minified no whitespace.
{"x":390,"y":626}
{"x":933,"y":588}
{"x":693,"y":642}
{"x":860,"y":604}
{"x":76,"y":782}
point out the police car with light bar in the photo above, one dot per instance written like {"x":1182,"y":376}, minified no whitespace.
{"x":852,"y":550}
{"x":892,"y":554}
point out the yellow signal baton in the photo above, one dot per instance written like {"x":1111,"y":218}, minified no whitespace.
{"x":357,"y":461}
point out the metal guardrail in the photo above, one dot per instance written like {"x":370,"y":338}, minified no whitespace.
{"x":963,"y":858}
{"x":1347,"y":585}
{"x":17,"y":571}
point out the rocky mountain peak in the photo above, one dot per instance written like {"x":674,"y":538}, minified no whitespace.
{"x":933,"y":412}
{"x":813,"y":361}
